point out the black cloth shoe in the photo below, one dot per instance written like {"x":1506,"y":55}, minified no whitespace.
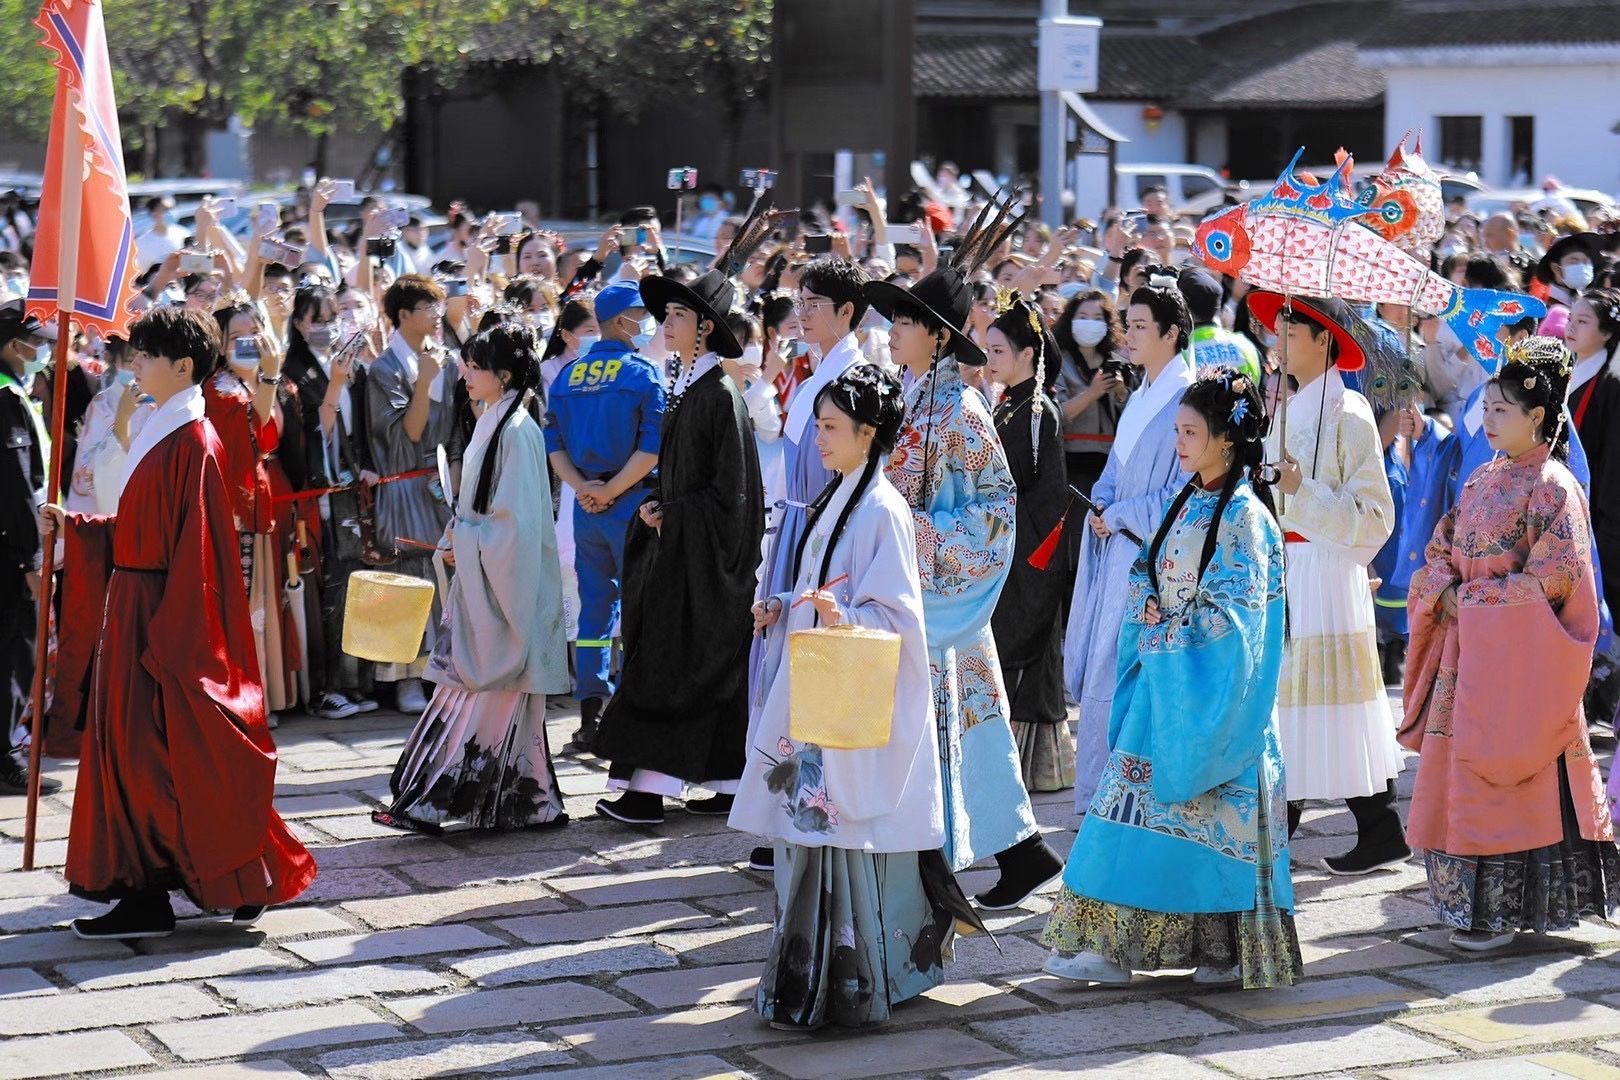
{"x":762,"y":858}
{"x":1025,"y":867}
{"x":584,"y":739}
{"x":1364,"y":860}
{"x":146,"y":915}
{"x":14,"y":778}
{"x":248,"y":914}
{"x":713,"y":807}
{"x":634,"y":808}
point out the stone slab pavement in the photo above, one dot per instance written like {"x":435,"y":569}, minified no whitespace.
{"x":600,"y":950}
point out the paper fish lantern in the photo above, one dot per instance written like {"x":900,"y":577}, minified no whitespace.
{"x":1404,"y":203}
{"x":1307,"y":239}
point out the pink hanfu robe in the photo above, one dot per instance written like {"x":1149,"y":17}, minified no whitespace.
{"x":1493,"y":697}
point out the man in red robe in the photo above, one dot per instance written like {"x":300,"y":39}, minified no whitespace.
{"x":177,"y":771}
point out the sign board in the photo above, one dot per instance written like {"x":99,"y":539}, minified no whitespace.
{"x":1068,"y":52}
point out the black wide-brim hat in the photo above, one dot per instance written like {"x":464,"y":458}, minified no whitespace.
{"x":710,"y":295}
{"x":945,"y":294}
{"x":1593,"y":244}
{"x":1337,"y":316}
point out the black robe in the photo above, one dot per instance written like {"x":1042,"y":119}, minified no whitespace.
{"x":1596,"y":418}
{"x":1028,"y":622}
{"x":682,"y":703}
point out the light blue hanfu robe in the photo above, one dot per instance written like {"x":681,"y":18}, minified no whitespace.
{"x":964,"y":523}
{"x":1136,"y":485}
{"x":1176,"y":824}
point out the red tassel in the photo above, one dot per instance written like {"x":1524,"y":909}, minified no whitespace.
{"x":1041,"y":557}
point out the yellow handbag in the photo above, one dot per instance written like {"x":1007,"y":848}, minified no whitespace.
{"x":385,"y":616}
{"x":842,"y":686}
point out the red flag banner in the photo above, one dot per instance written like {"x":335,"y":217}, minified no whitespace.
{"x":84,"y":249}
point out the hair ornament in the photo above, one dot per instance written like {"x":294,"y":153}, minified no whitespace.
{"x":1240,"y":409}
{"x":1530,"y":383}
{"x":1005,"y":299}
{"x":1161,"y":281}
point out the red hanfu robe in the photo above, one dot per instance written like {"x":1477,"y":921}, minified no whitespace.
{"x":1493,"y":697}
{"x":177,"y":771}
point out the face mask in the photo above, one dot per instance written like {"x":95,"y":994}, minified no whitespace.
{"x":1270,"y":340}
{"x":800,"y":348}
{"x":541,"y":322}
{"x":753,"y":356}
{"x":33,"y":360}
{"x":321,"y":334}
{"x":124,"y":376}
{"x":586,"y":341}
{"x":1578,"y":275}
{"x":708,"y":204}
{"x":1088,"y":331}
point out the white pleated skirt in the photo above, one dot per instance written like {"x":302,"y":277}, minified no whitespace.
{"x":1338,"y":731}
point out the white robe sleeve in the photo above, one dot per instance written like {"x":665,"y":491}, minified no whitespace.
{"x":505,"y":605}
{"x":883,"y":594}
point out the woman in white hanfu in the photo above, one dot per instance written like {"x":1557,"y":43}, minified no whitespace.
{"x":478,"y":755}
{"x":1137,"y":483}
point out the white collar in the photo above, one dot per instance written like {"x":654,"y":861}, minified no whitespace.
{"x":403,"y":351}
{"x":843,"y":356}
{"x":693,"y":372}
{"x":1586,"y":369}
{"x":1148,"y":402}
{"x":483,"y":432}
{"x":168,"y":418}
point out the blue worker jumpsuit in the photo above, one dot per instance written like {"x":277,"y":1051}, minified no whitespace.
{"x":603,"y":407}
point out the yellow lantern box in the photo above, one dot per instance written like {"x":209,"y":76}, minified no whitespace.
{"x":842,"y":682}
{"x":385,"y":615}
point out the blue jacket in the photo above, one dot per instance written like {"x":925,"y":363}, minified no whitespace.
{"x":604,"y":407}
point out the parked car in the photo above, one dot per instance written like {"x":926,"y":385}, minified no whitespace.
{"x":1194,"y":190}
{"x":1535,"y":199}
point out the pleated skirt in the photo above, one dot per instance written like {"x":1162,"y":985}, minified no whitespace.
{"x":1338,"y":732}
{"x":478,"y":757}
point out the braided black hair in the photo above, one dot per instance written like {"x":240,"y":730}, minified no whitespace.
{"x":508,"y":347}
{"x":867,"y":395}
{"x":1231,"y":404}
{"x":1535,"y":374}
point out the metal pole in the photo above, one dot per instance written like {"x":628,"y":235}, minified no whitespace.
{"x":1054,"y":141}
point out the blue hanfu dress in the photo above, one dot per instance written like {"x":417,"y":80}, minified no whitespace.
{"x":1182,"y":859}
{"x":951,"y":469}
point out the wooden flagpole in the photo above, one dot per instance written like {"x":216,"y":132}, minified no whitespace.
{"x":72,"y":193}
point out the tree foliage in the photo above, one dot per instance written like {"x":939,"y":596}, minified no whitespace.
{"x":320,"y":66}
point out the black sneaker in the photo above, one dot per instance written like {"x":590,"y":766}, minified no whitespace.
{"x":14,"y":778}
{"x":1359,"y":860}
{"x":716,"y":806}
{"x":131,"y":918}
{"x":584,"y":740}
{"x":634,"y":808}
{"x":762,"y":858}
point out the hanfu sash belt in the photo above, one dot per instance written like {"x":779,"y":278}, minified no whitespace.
{"x":1295,"y":538}
{"x":141,"y":569}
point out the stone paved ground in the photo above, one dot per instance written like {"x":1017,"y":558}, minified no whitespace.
{"x":603,"y":951}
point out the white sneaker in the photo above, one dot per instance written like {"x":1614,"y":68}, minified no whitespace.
{"x":411,"y":697}
{"x":363,"y":704}
{"x":1086,"y":967}
{"x":1482,"y":940}
{"x":334,"y":706}
{"x":1207,"y":975}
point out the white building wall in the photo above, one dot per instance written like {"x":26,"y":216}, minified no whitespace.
{"x":1168,"y":143}
{"x":1576,"y":106}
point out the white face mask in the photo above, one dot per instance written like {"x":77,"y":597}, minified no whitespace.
{"x":1578,"y":275}
{"x":753,"y":356}
{"x":586,"y":341}
{"x":1088,"y":332}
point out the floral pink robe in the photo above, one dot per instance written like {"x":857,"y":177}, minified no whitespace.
{"x":1493,"y":697}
